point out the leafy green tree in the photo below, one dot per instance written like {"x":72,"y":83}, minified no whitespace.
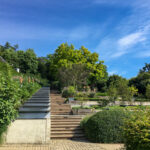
{"x":115,"y":80}
{"x":118,"y":87}
{"x":7,"y":45}
{"x":148,"y":91}
{"x":11,"y":57}
{"x":27,"y":61}
{"x":42,"y":67}
{"x":140,"y":82}
{"x":76,"y":75}
{"x":146,"y":68}
{"x":66,"y":55}
{"x":112,"y":92}
{"x":124,"y":91}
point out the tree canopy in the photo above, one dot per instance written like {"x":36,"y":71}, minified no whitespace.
{"x":66,"y":55}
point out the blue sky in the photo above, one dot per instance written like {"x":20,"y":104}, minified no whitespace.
{"x":118,"y":30}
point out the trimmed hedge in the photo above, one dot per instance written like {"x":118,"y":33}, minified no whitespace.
{"x":105,"y":126}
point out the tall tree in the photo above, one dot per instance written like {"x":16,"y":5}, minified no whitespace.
{"x":66,"y":55}
{"x":146,"y":68}
{"x":142,"y":79}
{"x":75,"y":75}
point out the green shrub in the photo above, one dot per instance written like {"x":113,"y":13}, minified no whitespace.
{"x":92,"y":94}
{"x":137,"y":130}
{"x":101,"y":94}
{"x":105,"y":126}
{"x":9,"y":101}
{"x":81,"y":94}
{"x":27,"y":90}
{"x":148,"y":91}
{"x":12,"y":95}
{"x":68,"y":92}
{"x":87,"y":99}
{"x":84,"y":121}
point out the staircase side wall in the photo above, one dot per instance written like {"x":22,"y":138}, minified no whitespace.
{"x":34,"y":131}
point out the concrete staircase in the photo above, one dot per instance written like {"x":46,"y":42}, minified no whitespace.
{"x":64,"y":125}
{"x":38,"y":106}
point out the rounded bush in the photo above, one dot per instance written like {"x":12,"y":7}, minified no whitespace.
{"x":68,"y":92}
{"x":105,"y":126}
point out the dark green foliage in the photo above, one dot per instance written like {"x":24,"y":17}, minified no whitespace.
{"x":66,"y":56}
{"x":92,"y":94}
{"x":146,"y":68}
{"x":105,"y":126}
{"x":26,"y":61}
{"x":115,"y":80}
{"x":141,"y":81}
{"x":84,"y":121}
{"x":43,"y":67}
{"x":75,"y":75}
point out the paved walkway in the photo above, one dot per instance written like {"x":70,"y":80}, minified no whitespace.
{"x":64,"y":145}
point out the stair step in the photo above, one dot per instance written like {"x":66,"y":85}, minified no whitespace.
{"x":40,"y":98}
{"x":36,"y":105}
{"x":61,"y":110}
{"x":67,"y":135}
{"x":38,"y":102}
{"x":66,"y":117}
{"x":33,"y":115}
{"x":65,"y":123}
{"x":66,"y":132}
{"x":61,"y":105}
{"x":38,"y":110}
{"x":65,"y":126}
{"x":61,"y":113}
{"x":47,"y":96}
{"x":66,"y":120}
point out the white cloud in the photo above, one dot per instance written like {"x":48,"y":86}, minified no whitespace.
{"x":118,"y":54}
{"x":131,"y":39}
